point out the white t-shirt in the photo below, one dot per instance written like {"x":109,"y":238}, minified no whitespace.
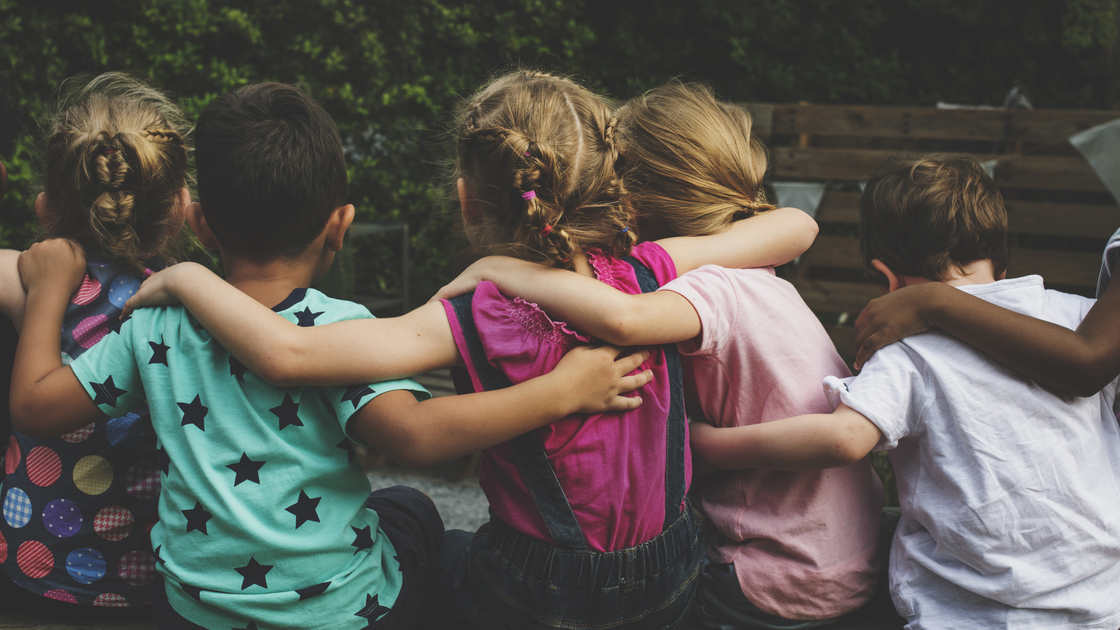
{"x":1111,"y":250}
{"x":1010,"y":496}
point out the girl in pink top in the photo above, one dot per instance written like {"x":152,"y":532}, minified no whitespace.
{"x":787,"y":549}
{"x":590,"y":525}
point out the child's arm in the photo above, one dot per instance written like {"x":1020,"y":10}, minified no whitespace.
{"x":800,"y":443}
{"x":1077,"y":362}
{"x":769,"y":239}
{"x":278,"y":351}
{"x":417,"y":434}
{"x":12,"y":296}
{"x":46,"y":398}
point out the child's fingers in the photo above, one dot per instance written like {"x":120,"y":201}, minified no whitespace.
{"x":626,"y":363}
{"x":633,"y":382}
{"x":624,"y":403}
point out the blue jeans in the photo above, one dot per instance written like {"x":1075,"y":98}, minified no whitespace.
{"x":499,"y":578}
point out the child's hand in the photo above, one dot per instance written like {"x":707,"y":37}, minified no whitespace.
{"x":158,"y":290}
{"x":596,"y":378}
{"x":482,"y":269}
{"x":57,"y":263}
{"x":895,"y":316}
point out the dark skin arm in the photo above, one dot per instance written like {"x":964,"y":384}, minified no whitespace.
{"x":1077,"y":362}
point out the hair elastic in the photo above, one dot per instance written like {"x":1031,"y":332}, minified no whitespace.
{"x":546,"y":230}
{"x":532,"y":194}
{"x":528,"y":154}
{"x":108,"y":151}
{"x":624,"y":230}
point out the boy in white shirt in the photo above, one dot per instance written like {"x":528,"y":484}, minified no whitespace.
{"x":1010,"y":495}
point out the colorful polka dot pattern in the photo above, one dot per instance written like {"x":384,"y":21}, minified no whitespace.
{"x":77,"y":511}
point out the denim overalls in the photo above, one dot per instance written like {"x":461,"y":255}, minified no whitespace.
{"x":502,"y":578}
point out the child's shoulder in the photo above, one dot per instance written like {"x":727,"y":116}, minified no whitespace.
{"x":309,"y":307}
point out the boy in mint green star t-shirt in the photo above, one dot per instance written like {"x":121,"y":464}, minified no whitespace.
{"x":266,"y":520}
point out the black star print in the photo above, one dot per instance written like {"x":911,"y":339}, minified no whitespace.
{"x":238,"y":369}
{"x":247,"y":470}
{"x":252,"y":626}
{"x":194,"y":413}
{"x":372,"y":611}
{"x":159,"y":352}
{"x":312,"y":591}
{"x":347,"y":446}
{"x":304,"y":509}
{"x":196,"y":518}
{"x":286,"y":412}
{"x":306,"y":317}
{"x":355,"y":394}
{"x":254,"y":573}
{"x":107,"y":392}
{"x":363,"y":539}
{"x":155,"y":552}
{"x":193,"y":591}
{"x":115,"y":324}
{"x":164,"y":461}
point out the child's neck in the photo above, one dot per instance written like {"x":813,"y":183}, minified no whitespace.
{"x":270,"y":282}
{"x":975,"y":272}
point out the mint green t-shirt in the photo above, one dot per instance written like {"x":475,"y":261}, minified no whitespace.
{"x":262,"y":516}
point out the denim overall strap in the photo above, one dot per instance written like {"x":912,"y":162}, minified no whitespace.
{"x":528,"y":451}
{"x":674,"y":441}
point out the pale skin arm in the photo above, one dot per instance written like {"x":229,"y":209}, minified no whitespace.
{"x":1077,"y":362}
{"x":806,"y":442}
{"x":769,"y":239}
{"x":47,"y":400}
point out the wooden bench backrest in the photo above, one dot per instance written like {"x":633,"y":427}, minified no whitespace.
{"x":1059,"y":211}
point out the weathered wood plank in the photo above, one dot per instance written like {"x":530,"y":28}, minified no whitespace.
{"x":931,"y":123}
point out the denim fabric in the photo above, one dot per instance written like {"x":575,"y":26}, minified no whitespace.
{"x":498,"y":578}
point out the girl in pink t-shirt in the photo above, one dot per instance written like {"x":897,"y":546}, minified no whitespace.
{"x":590,"y":524}
{"x":788,"y":549}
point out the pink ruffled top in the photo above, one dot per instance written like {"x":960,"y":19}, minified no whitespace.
{"x":611,"y":466}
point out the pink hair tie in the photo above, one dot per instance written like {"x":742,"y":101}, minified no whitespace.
{"x":546,"y":230}
{"x":532,"y":194}
{"x":528,"y":154}
{"x":147,"y":272}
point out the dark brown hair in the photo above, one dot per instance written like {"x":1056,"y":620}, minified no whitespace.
{"x":923,"y":216}
{"x":690,"y":162}
{"x":115,"y":162}
{"x":270,"y":170}
{"x":537,"y":154}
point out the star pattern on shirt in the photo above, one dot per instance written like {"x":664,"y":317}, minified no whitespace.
{"x":159,"y":352}
{"x":254,"y":573}
{"x":252,"y":626}
{"x":107,"y":393}
{"x":237,"y":369}
{"x":197,"y":518}
{"x":372,"y":611}
{"x":312,"y":591}
{"x":287,"y":412}
{"x":246,"y":470}
{"x":115,"y":324}
{"x":347,"y":446}
{"x":164,"y":460}
{"x":355,"y":394}
{"x":155,"y":552}
{"x":363,"y":538}
{"x":193,"y":591}
{"x":194,"y":412}
{"x":304,"y":509}
{"x":306,"y":318}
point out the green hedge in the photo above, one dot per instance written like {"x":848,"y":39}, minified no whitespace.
{"x":390,"y":71}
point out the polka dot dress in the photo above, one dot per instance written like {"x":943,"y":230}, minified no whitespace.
{"x":77,"y":510}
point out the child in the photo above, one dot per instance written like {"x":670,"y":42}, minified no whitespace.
{"x":115,"y":177}
{"x":789,"y":549}
{"x":1008,"y":492}
{"x":613,"y":544}
{"x":265,"y":519}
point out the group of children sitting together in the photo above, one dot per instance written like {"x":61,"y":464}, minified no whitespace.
{"x":197,"y":463}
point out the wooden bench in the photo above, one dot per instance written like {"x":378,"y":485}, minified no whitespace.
{"x":1060,"y":212}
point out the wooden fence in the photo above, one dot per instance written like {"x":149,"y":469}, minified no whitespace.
{"x":1060,"y":213}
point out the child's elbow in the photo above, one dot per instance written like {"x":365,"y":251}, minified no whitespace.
{"x":29,"y":420}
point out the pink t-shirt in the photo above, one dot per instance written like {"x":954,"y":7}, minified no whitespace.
{"x":610,"y":466}
{"x":803,"y":543}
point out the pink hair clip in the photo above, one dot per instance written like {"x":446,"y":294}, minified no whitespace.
{"x":546,"y":230}
{"x":532,"y":194}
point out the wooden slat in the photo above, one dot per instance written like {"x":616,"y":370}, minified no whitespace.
{"x":844,"y":339}
{"x":928,"y":122}
{"x":762,"y":116}
{"x":1049,"y":172}
{"x":835,"y":297}
{"x":839,"y":207}
{"x":833,"y":251}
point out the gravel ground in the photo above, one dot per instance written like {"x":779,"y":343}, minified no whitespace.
{"x":461,"y":503}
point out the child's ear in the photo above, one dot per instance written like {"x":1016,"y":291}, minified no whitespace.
{"x":44,"y":211}
{"x":182,"y":200}
{"x":894,"y":281}
{"x":197,"y":220}
{"x":471,"y":215}
{"x":337,"y":225}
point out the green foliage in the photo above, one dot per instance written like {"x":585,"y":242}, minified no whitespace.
{"x":391,"y":72}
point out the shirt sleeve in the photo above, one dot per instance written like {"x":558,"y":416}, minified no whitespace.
{"x":712,"y":295}
{"x":890,"y":392}
{"x":108,"y":371}
{"x":1111,"y":250}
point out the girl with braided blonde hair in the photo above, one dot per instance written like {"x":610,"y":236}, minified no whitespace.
{"x":77,"y":509}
